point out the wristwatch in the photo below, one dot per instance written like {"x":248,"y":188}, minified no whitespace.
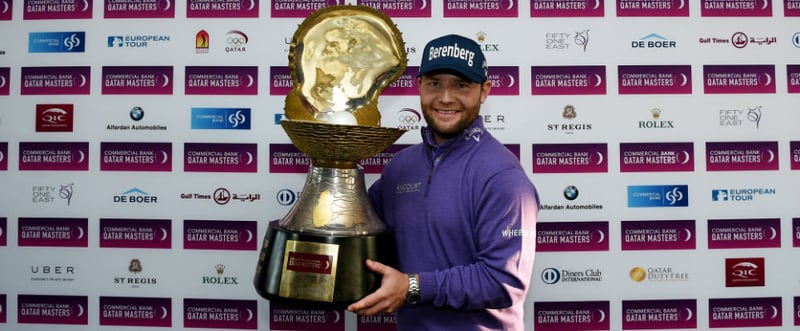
{"x":412,"y":296}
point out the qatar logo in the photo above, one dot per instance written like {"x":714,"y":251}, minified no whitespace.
{"x":237,"y":42}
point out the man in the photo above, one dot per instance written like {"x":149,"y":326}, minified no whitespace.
{"x":462,"y":209}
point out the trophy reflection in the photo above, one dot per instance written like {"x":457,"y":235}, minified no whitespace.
{"x":341,"y":59}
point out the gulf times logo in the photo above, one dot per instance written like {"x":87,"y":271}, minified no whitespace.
{"x":740,"y":194}
{"x":221,"y":118}
{"x":57,"y":42}
{"x":658,"y":196}
{"x":553,"y":276}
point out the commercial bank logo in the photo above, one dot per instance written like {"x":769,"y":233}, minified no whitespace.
{"x":401,"y":8}
{"x":659,"y":314}
{"x":57,"y":42}
{"x":738,"y":8}
{"x":221,"y":118}
{"x":567,"y":8}
{"x":5,"y":15}
{"x":52,"y":309}
{"x":136,"y":311}
{"x":485,"y":8}
{"x":225,"y":9}
{"x":571,"y":315}
{"x":658,"y":196}
{"x":745,"y":313}
{"x":653,"y":8}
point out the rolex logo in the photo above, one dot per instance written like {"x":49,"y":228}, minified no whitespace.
{"x":656,"y":113}
{"x":220,"y":268}
{"x":481,"y":36}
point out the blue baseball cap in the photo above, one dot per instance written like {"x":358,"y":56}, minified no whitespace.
{"x":455,"y":53}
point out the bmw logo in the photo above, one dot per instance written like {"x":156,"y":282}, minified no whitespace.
{"x":137,"y":113}
{"x":571,"y":192}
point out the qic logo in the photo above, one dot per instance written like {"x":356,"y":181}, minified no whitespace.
{"x":54,"y":118}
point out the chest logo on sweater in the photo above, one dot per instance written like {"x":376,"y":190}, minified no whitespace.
{"x":408,"y":188}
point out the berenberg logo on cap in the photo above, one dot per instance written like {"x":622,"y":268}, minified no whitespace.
{"x":457,"y":53}
{"x":451,"y":51}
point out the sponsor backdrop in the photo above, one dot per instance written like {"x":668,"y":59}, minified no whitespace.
{"x":141,"y":157}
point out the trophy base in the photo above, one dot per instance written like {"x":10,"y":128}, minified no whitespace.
{"x":318,"y":270}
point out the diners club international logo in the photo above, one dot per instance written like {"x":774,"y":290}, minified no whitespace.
{"x":48,"y":10}
{"x":567,"y":8}
{"x":400,"y":8}
{"x":139,"y":9}
{"x":484,"y":8}
{"x":571,"y":315}
{"x":652,"y":8}
{"x":223,"y":8}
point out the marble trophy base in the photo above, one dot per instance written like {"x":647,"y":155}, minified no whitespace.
{"x":316,"y":270}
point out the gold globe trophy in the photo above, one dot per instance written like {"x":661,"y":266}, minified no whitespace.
{"x":341,"y":59}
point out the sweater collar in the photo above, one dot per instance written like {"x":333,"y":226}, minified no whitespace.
{"x":473,"y":133}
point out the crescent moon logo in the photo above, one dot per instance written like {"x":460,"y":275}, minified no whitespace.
{"x":169,"y":4}
{"x":166,"y":80}
{"x":252,"y":4}
{"x":80,"y":233}
{"x":773,"y":233}
{"x":83,"y":80}
{"x":2,"y":156}
{"x":686,"y":157}
{"x":80,"y":310}
{"x":774,"y":312}
{"x":85,"y":5}
{"x":600,"y":158}
{"x":766,"y":3}
{"x":602,"y":315}
{"x":599,"y":80}
{"x":338,"y":316}
{"x":424,"y":4}
{"x":1,"y":234}
{"x":512,"y":80}
{"x":164,"y":234}
{"x":249,"y":315}
{"x":166,"y":157}
{"x":249,"y":236}
{"x":249,"y":80}
{"x":688,"y":234}
{"x":680,"y":6}
{"x":249,"y":158}
{"x":689,"y":313}
{"x":596,"y":4}
{"x":164,"y":312}
{"x":685,"y":80}
{"x":769,"y":79}
{"x":5,"y":7}
{"x":3,"y":78}
{"x":510,"y":4}
{"x":82,"y":157}
{"x":771,"y":156}
{"x":602,"y":236}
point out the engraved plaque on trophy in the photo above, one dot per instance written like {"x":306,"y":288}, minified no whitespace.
{"x":341,"y":59}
